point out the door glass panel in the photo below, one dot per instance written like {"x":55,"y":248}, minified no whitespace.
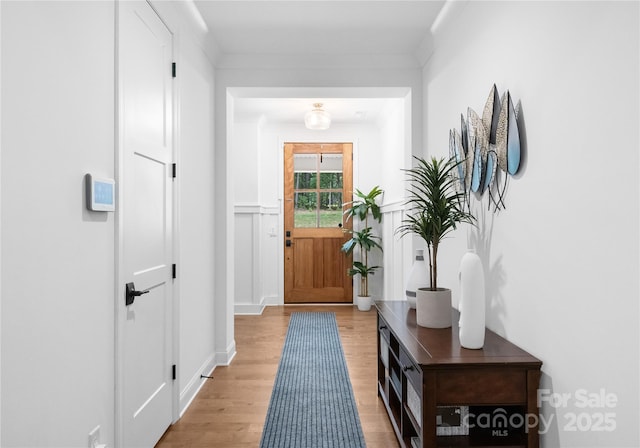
{"x":305,"y":181}
{"x":330,"y":181}
{"x":317,"y":185}
{"x":305,"y":209}
{"x":330,"y":209}
{"x":330,"y":171}
{"x":305,"y":171}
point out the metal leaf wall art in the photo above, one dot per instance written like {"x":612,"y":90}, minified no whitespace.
{"x":488,"y":149}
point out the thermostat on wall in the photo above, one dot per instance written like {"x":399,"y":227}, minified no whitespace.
{"x":100,"y":194}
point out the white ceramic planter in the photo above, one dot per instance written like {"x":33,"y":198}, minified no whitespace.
{"x":433,"y":308}
{"x":364,"y":303}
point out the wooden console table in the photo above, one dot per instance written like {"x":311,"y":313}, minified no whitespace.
{"x":438,"y":394}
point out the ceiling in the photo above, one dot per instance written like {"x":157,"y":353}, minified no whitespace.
{"x":334,"y":27}
{"x":297,"y":33}
{"x":293,"y":110}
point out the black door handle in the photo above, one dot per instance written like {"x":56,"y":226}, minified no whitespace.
{"x":131,"y":293}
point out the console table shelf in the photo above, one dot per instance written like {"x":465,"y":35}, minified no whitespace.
{"x":438,"y":394}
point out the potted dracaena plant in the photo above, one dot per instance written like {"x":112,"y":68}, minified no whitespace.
{"x":435,"y":210}
{"x":363,"y":239}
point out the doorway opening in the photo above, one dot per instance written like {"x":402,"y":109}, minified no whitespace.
{"x":259,"y":121}
{"x":317,"y":181}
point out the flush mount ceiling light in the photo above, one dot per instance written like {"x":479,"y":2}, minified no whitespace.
{"x":317,"y":118}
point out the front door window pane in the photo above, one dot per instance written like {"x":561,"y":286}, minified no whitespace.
{"x":330,"y":171}
{"x":305,"y":209}
{"x":305,"y":181}
{"x":317,"y":185}
{"x":305,"y":171}
{"x":330,"y":209}
{"x":330,"y":181}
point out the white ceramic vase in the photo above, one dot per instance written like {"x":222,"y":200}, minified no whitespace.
{"x":418,"y":278}
{"x":364,"y":303}
{"x":433,"y":308}
{"x":472,"y":301}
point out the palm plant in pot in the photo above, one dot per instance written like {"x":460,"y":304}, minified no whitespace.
{"x":435,"y":210}
{"x":364,"y":240}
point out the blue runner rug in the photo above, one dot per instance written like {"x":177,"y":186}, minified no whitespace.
{"x":312,"y":403}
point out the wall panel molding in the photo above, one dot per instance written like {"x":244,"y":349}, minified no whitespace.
{"x":255,"y":253}
{"x":248,"y":208}
{"x":393,"y":207}
{"x":397,"y":251}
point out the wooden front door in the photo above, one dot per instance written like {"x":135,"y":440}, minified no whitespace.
{"x":317,"y":181}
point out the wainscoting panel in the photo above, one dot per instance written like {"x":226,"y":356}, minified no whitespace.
{"x":256,"y":257}
{"x":397,"y":252}
{"x":258,"y":266}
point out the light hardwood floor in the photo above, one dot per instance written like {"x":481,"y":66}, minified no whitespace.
{"x":230,"y":409}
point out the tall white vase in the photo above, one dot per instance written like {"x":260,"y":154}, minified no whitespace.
{"x":418,"y":278}
{"x":472,"y":301}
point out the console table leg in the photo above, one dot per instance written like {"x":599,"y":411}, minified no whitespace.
{"x":533,"y":382}
{"x":428,"y":409}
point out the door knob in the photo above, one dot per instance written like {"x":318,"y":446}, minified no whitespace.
{"x":131,"y":293}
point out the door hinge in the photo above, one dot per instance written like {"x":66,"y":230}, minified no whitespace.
{"x":173,"y":271}
{"x":173,"y":69}
{"x":174,"y":170}
{"x":173,"y":372}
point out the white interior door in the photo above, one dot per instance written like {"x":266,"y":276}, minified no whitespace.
{"x":145,"y":327}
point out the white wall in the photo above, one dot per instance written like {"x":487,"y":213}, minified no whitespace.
{"x":57,"y":278}
{"x":396,"y":149}
{"x":0,"y":224}
{"x":248,"y":210}
{"x":396,"y":259}
{"x":247,"y":157}
{"x":196,"y":220}
{"x":562,"y":260}
{"x":57,"y":258}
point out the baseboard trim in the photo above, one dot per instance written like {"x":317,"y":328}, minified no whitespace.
{"x":194,"y":385}
{"x":248,"y":309}
{"x":252,"y":309}
{"x":225,"y":358}
{"x":190,"y":391}
{"x":273,"y":300}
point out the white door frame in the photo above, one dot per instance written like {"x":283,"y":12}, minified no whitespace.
{"x":119,"y":240}
{"x":0,"y":230}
